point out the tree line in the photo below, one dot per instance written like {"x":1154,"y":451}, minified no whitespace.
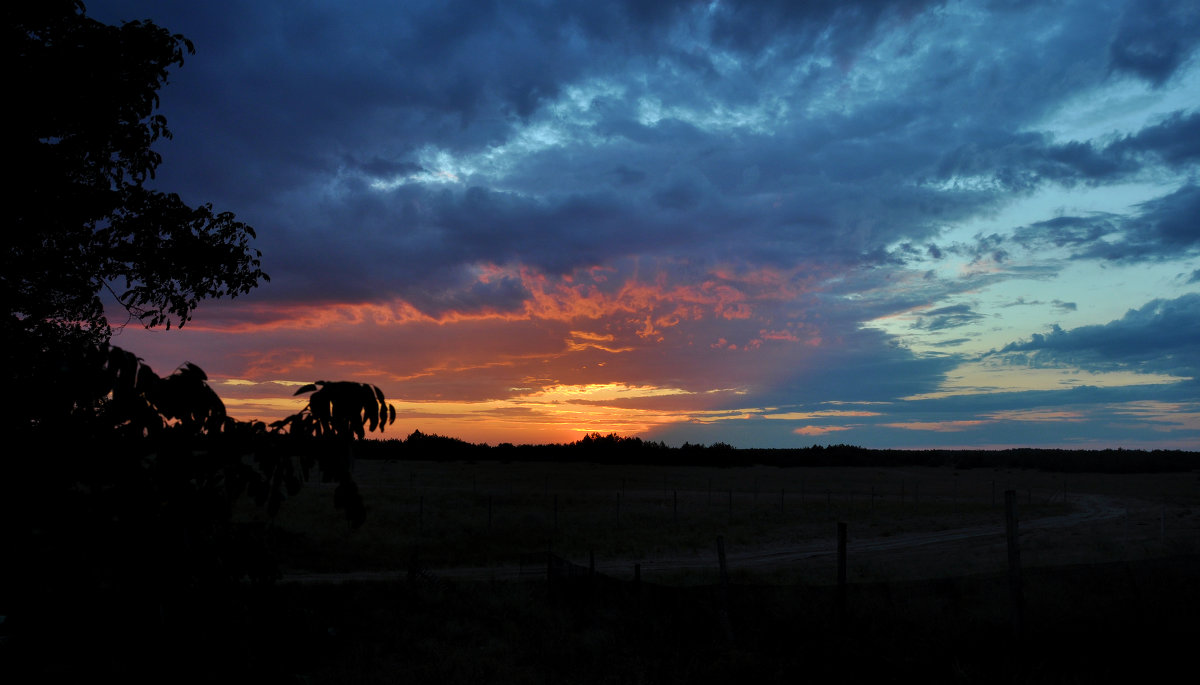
{"x":617,"y":449}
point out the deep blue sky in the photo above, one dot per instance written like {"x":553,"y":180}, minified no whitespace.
{"x":768,"y":223}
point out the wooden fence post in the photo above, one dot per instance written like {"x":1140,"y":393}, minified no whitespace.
{"x":1015,"y":591}
{"x":721,"y":560}
{"x":731,"y":506}
{"x":841,"y":569}
{"x":723,"y":591}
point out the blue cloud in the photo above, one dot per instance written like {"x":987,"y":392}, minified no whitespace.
{"x":1159,"y":337}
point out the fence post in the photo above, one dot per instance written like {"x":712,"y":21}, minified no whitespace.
{"x":731,"y":506}
{"x":1015,"y":591}
{"x":721,"y":560}
{"x":841,"y":570}
{"x":675,"y":506}
{"x":723,"y":591}
{"x":489,"y":511}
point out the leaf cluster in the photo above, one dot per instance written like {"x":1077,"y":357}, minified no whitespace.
{"x":83,"y":100}
{"x":142,"y":464}
{"x":339,"y":408}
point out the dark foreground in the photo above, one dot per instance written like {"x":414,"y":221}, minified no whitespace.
{"x":1096,"y":623}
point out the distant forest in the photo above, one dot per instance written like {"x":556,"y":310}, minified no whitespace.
{"x":616,"y":449}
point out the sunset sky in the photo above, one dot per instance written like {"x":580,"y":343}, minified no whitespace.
{"x":772,"y":224}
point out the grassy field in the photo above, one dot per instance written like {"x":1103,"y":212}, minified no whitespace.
{"x":1109,"y":598}
{"x":491,"y":514}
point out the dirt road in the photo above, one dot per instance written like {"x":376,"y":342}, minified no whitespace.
{"x":1088,"y":509}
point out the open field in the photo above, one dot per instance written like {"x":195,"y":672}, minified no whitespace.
{"x":1109,"y":582}
{"x":483,"y":519}
{"x":1110,"y":563}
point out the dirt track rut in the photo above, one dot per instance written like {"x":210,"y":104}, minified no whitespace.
{"x":1089,"y":509}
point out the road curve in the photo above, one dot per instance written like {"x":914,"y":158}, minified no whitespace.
{"x":1088,"y":509}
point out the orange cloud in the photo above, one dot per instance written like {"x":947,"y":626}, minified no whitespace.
{"x":819,"y":430}
{"x":937,"y":426}
{"x":587,"y":294}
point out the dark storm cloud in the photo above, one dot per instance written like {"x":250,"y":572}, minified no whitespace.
{"x":1159,"y":337}
{"x":1154,"y":38}
{"x":1024,"y":161}
{"x":1066,"y":231}
{"x":280,"y":96}
{"x":1175,"y":140}
{"x":1166,"y":227}
{"x":840,"y":27}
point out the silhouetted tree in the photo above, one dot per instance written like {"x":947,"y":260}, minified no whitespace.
{"x":124,"y":486}
{"x":82,"y":99}
{"x":136,"y":522}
